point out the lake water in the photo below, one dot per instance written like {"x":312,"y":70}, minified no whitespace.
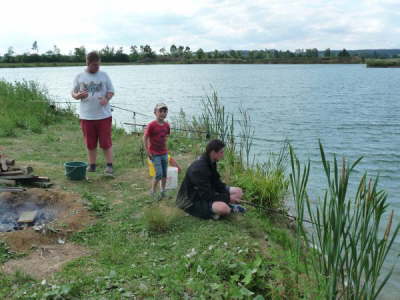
{"x":353,"y":110}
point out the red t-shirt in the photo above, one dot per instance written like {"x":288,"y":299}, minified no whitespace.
{"x":158,"y":137}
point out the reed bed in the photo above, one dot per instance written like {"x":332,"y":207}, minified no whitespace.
{"x":349,"y":249}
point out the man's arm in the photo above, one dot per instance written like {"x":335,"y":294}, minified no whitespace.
{"x":200,"y":178}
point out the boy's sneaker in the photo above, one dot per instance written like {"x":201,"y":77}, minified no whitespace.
{"x":236,"y":208}
{"x":163,"y":194}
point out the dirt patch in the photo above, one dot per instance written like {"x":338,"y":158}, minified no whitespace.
{"x":71,"y":216}
{"x":45,"y":260}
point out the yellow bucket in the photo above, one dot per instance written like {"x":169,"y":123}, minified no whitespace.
{"x":152,"y":170}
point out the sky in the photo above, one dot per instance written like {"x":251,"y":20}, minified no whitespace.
{"x":206,"y":24}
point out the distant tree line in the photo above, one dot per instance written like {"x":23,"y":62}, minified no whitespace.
{"x":184,"y":54}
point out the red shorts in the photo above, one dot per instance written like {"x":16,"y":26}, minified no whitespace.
{"x":97,"y":131}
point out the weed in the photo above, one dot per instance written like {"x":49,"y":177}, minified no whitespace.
{"x":99,"y":205}
{"x":158,"y":219}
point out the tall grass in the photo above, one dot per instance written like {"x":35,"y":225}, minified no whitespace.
{"x":24,"y":105}
{"x":265,"y":184}
{"x":345,"y":230}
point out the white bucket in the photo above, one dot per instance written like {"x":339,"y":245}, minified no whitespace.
{"x":172,"y":178}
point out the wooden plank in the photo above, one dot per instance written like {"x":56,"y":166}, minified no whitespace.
{"x":27,"y":216}
{"x":42,"y":179}
{"x":43,"y":185}
{"x":25,"y":169}
{"x":7,"y":182}
{"x":11,"y":173}
{"x":11,"y":189}
{"x":10,"y":162}
{"x":19,"y":177}
{"x":3,"y":165}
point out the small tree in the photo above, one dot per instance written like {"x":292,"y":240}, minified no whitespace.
{"x":35,"y":47}
{"x":327,"y":52}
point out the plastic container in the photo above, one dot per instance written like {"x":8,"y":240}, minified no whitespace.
{"x":172,"y":178}
{"x":75,"y":170}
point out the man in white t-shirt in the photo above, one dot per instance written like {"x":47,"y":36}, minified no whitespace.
{"x":95,"y":90}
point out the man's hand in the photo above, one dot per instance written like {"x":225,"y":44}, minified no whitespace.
{"x":235,"y":194}
{"x":103,"y":100}
{"x":81,"y":95}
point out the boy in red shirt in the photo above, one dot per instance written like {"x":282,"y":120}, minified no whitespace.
{"x":155,"y":143}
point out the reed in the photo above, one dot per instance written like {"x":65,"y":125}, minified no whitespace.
{"x":345,"y":230}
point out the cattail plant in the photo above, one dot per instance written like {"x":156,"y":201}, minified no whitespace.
{"x":345,"y":230}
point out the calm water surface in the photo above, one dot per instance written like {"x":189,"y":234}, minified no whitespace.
{"x":353,"y":110}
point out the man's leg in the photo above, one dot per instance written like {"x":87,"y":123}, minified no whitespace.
{"x":104,"y":134}
{"x":92,"y":155}
{"x":108,"y":155}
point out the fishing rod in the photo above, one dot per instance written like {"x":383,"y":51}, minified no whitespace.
{"x":280,"y":212}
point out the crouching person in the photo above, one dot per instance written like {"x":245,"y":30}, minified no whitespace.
{"x":202,"y":193}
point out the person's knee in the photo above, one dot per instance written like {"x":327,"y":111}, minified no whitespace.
{"x":221,"y":208}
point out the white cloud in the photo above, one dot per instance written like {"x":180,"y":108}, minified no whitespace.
{"x":210,"y":24}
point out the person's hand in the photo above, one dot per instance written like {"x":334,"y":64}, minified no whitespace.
{"x":236,"y":194}
{"x":103,"y":100}
{"x":150,"y":156}
{"x":82,"y":94}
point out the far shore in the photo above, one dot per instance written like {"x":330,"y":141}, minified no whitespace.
{"x":188,"y":62}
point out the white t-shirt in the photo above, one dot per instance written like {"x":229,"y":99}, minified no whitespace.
{"x":98,"y":85}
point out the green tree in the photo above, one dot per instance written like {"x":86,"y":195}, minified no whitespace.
{"x":344,"y":53}
{"x":327,"y":52}
{"x":35,"y":47}
{"x":80,"y":54}
{"x":200,"y":54}
{"x":134,"y":54}
{"x":187,"y":53}
{"x":173,"y":50}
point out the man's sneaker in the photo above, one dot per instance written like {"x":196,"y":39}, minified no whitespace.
{"x":109,"y":171}
{"x":91,"y":168}
{"x":236,"y":208}
{"x":163,"y":194}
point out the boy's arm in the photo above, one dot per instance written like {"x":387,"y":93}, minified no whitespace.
{"x":146,"y":143}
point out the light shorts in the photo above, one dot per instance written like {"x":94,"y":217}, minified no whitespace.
{"x":160,"y":163}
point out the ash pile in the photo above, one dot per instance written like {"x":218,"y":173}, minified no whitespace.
{"x":21,"y":210}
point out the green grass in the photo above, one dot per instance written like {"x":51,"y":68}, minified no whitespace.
{"x":26,"y":106}
{"x":150,"y":250}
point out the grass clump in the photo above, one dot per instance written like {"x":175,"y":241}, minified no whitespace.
{"x":26,"y":106}
{"x":5,"y":252}
{"x":159,"y":218}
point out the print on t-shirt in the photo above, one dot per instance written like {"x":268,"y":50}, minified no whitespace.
{"x":92,"y":87}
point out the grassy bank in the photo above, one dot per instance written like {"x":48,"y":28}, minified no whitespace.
{"x":383,"y":63}
{"x":143,"y":249}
